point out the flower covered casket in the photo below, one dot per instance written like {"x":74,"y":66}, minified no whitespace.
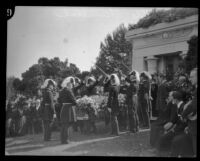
{"x":86,"y":107}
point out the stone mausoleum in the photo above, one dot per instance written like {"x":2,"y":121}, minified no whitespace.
{"x":161,"y":46}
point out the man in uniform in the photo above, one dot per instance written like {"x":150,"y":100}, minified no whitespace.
{"x":113,"y":103}
{"x":48,"y":109}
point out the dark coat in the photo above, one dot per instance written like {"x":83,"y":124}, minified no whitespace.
{"x":192,"y":108}
{"x":154,"y":90}
{"x":47,"y":104}
{"x":90,"y":90}
{"x":113,"y":99}
{"x":168,"y":115}
{"x":130,"y":91}
{"x":180,"y":124}
{"x":144,"y":88}
{"x":67,"y":113}
{"x":162,"y":94}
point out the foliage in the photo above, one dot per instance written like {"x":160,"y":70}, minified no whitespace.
{"x":159,"y":16}
{"x":10,"y":91}
{"x":191,"y":59}
{"x":33,"y":78}
{"x":110,"y":57}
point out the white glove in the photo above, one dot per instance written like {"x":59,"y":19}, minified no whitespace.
{"x":186,"y":130}
{"x":109,"y":109}
{"x":54,"y":116}
{"x":168,"y":125}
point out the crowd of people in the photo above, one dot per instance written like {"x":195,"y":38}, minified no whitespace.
{"x":163,"y":103}
{"x":22,"y":116}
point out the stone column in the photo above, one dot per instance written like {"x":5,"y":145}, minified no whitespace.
{"x":152,"y":64}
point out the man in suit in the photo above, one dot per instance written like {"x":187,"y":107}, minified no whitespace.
{"x":172,"y":130}
{"x":162,"y":94}
{"x":168,"y":116}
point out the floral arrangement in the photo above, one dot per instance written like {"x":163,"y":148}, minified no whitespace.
{"x":103,"y":103}
{"x":121,"y":99}
{"x":85,"y":103}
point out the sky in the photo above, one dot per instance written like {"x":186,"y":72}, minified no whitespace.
{"x":74,"y":33}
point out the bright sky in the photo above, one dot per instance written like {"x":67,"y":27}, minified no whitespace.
{"x":65,"y":32}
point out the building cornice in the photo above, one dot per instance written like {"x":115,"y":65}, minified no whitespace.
{"x":162,"y":27}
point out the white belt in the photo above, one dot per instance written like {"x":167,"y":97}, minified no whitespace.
{"x":67,"y":103}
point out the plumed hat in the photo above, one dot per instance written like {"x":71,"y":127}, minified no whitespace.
{"x":47,"y":82}
{"x":90,"y":79}
{"x":77,"y":80}
{"x":68,"y":80}
{"x":136,"y":74}
{"x":146,"y":75}
{"x":116,"y":78}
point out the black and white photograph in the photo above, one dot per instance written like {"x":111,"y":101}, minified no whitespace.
{"x":101,"y":81}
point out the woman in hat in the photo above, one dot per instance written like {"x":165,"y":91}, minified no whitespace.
{"x":113,"y":103}
{"x":48,"y":110}
{"x":67,"y":115}
{"x":144,"y":105}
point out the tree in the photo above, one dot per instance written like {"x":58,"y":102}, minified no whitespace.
{"x":16,"y":84}
{"x":191,"y":59}
{"x":10,"y":91}
{"x":54,"y":68}
{"x":110,"y":56}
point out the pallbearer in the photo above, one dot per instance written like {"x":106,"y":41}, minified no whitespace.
{"x":113,"y":103}
{"x":48,"y":110}
{"x":67,"y":114}
{"x":144,"y":104}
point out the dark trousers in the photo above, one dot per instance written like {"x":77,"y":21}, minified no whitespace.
{"x":156,"y":131}
{"x":194,"y":143}
{"x":37,"y":126}
{"x":123,"y":119}
{"x":47,"y":130}
{"x":75,"y":126}
{"x":133,"y":121}
{"x":143,"y":114}
{"x":64,"y":134}
{"x":165,"y":141}
{"x":182,"y":145}
{"x":92,"y":126}
{"x":114,"y":124}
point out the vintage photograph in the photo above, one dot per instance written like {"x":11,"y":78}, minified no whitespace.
{"x":101,"y":81}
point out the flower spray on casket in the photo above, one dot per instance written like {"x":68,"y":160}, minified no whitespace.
{"x":86,"y":106}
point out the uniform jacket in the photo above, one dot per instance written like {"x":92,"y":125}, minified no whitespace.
{"x":130,"y":91}
{"x":113,"y":99}
{"x":67,"y":113}
{"x":47,"y":110}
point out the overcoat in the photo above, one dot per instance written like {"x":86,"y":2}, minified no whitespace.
{"x":67,"y":100}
